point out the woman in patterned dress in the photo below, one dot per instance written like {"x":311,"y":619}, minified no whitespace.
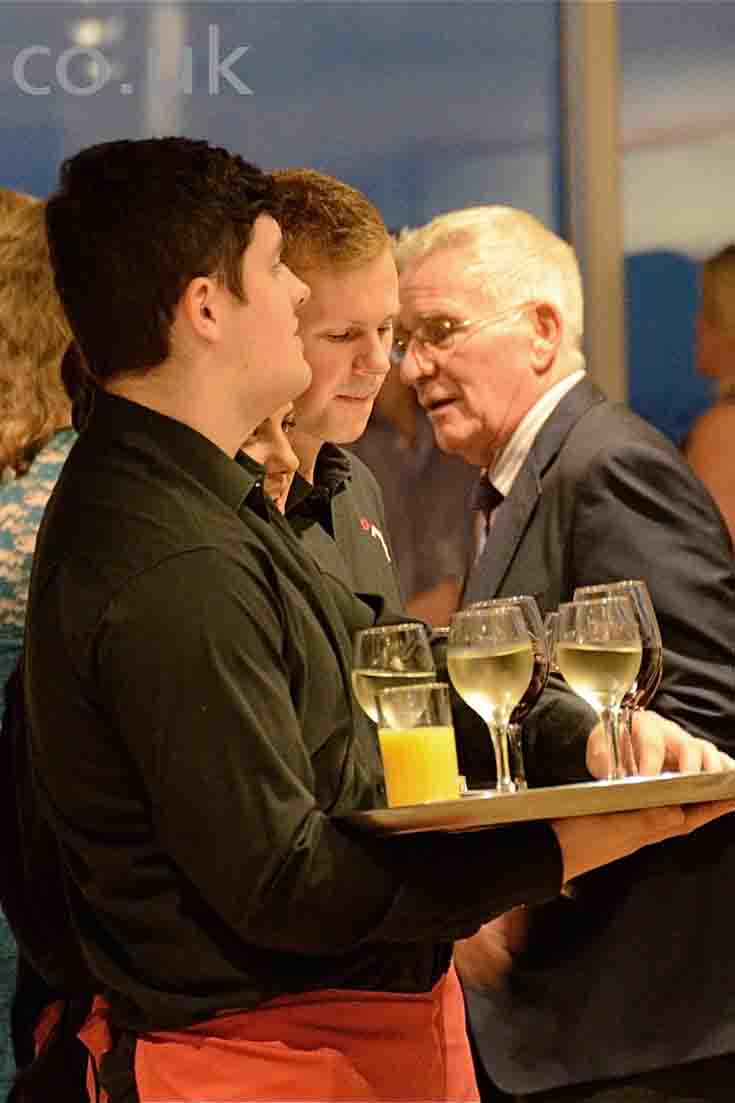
{"x":35,"y":438}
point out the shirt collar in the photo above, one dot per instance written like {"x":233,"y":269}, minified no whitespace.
{"x":333,"y":469}
{"x":510,"y":460}
{"x":116,"y":417}
{"x":332,"y":472}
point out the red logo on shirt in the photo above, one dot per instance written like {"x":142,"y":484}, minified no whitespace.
{"x":368,"y":526}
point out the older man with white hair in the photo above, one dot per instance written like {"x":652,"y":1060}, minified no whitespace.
{"x":623,"y":991}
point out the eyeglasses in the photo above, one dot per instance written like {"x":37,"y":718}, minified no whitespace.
{"x":437,"y":332}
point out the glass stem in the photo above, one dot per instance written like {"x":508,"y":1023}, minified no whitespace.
{"x":515,"y":752}
{"x":611,"y":723}
{"x":627,"y":745}
{"x":499,"y":736}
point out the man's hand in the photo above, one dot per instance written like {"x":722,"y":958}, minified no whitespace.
{"x":586,"y":842}
{"x":590,"y":841}
{"x":659,"y":745}
{"x":483,"y":960}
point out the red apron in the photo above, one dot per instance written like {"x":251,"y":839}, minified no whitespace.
{"x":333,"y":1044}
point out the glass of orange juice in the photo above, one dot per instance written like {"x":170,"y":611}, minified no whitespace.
{"x":417,"y":744}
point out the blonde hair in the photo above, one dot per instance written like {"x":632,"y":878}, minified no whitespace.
{"x":511,"y":256}
{"x":325,"y":222}
{"x":718,"y":290}
{"x":33,"y":334}
{"x":11,"y":202}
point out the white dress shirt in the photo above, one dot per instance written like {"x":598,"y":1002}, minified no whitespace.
{"x":510,"y":459}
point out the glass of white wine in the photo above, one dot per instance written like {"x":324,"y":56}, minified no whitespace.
{"x":648,"y":678}
{"x":387,"y":657}
{"x":490,"y":661}
{"x":541,"y":661}
{"x":598,"y":651}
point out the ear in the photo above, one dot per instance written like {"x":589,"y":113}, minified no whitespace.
{"x":548,"y":327}
{"x":200,"y":306}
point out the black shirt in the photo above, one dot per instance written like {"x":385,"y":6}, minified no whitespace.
{"x":341,"y":520}
{"x":196,"y":741}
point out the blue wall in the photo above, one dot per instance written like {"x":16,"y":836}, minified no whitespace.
{"x":661,"y":303}
{"x":426,"y":106}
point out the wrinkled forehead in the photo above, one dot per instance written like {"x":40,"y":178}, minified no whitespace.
{"x":447,"y":280}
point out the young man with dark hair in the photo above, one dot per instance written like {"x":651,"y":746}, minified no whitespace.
{"x":194,"y":739}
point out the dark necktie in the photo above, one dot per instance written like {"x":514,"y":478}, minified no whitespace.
{"x":485,"y":496}
{"x":484,"y":499}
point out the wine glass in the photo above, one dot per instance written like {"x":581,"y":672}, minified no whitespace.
{"x":541,"y":662}
{"x":649,"y":675}
{"x":394,"y":655}
{"x":551,"y":621}
{"x":598,"y":650}
{"x":648,"y":678}
{"x":490,"y":661}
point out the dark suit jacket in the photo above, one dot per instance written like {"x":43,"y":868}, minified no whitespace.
{"x":636,"y":972}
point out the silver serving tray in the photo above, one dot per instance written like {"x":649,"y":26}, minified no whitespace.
{"x":485,"y":808}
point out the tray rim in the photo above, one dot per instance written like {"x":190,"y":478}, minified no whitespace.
{"x":485,"y":809}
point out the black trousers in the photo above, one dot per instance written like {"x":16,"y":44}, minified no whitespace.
{"x":708,"y":1081}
